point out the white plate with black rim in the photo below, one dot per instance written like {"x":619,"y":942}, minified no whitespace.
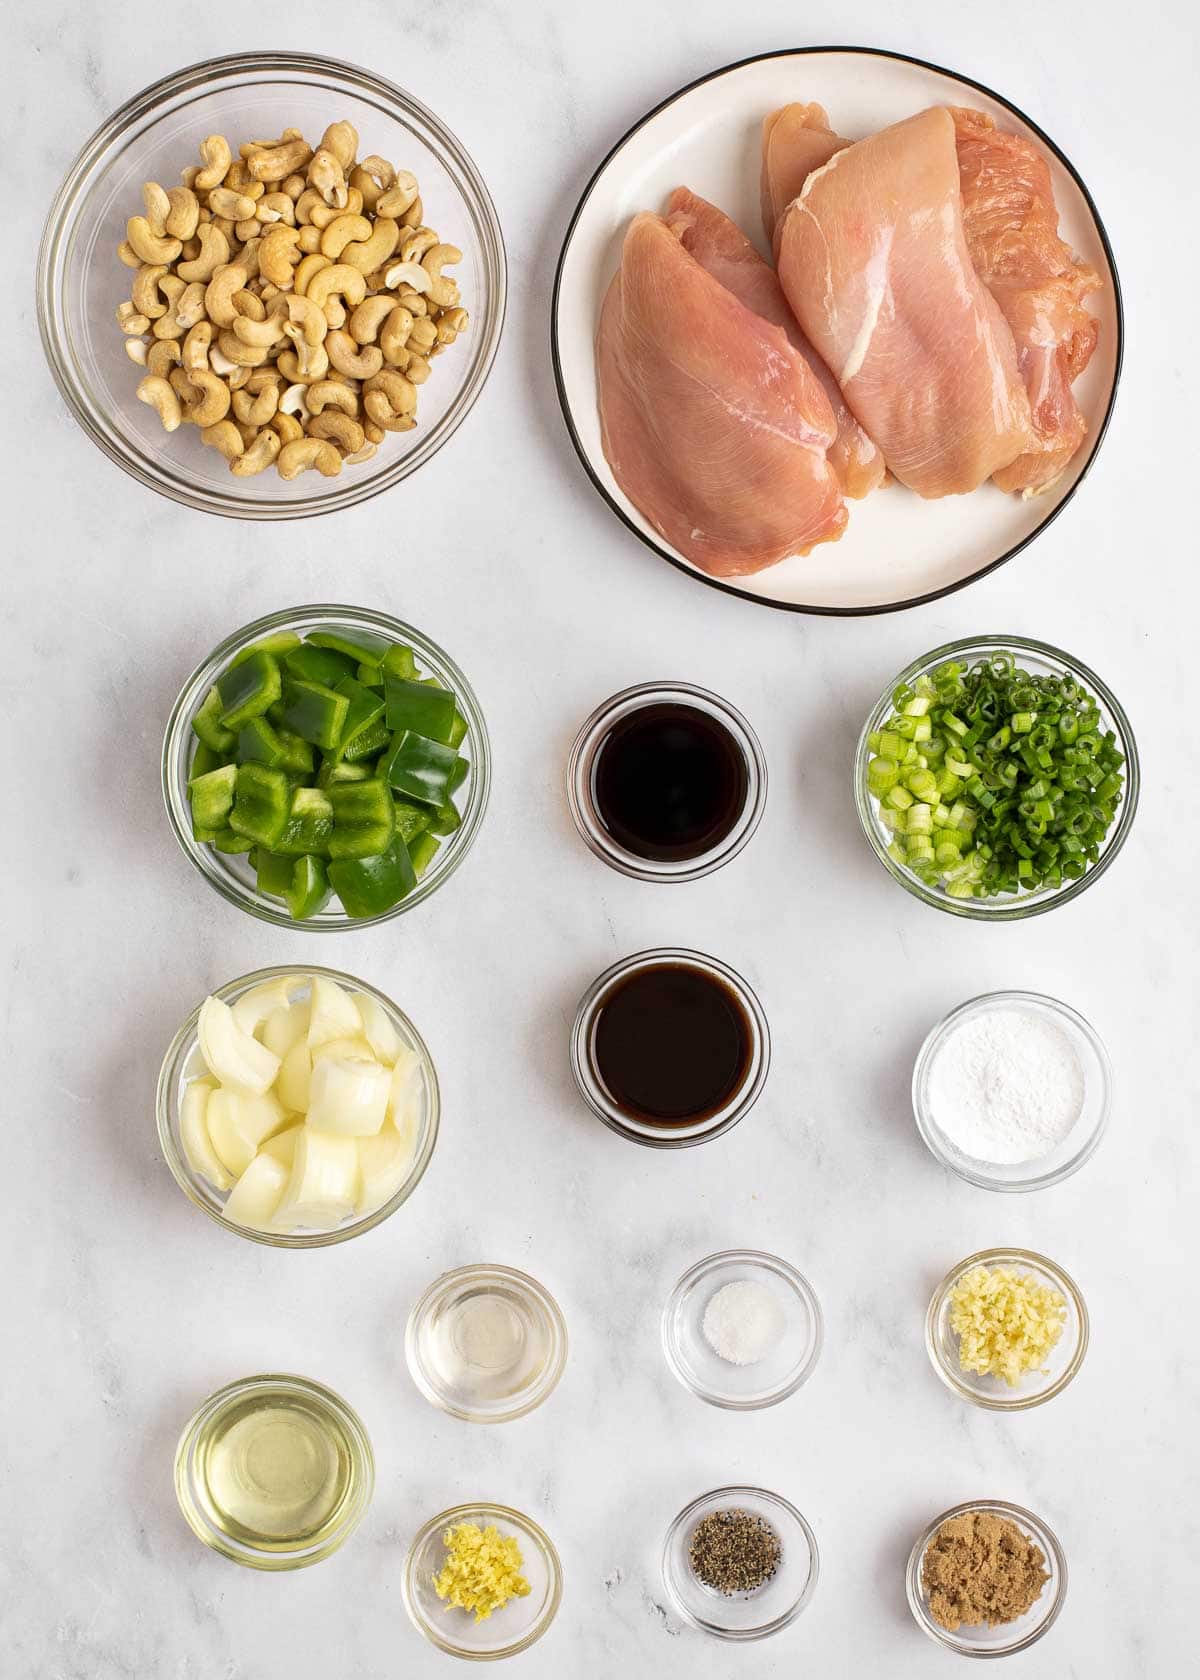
{"x":898,"y":550}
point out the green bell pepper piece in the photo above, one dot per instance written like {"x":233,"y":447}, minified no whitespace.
{"x":314,"y":712}
{"x":310,"y":890}
{"x":365,"y":709}
{"x":419,"y":707}
{"x":261,"y":807}
{"x":205,"y":759}
{"x":411,"y":819}
{"x":459,"y":774}
{"x":361,"y":646}
{"x":211,"y":797}
{"x":273,"y":873}
{"x":371,"y":676}
{"x":446,"y":819}
{"x":458,"y":730}
{"x":297,"y":757}
{"x":363,"y":819}
{"x":368,"y":743}
{"x":309,"y":824}
{"x":208,"y":727}
{"x":421,"y":851}
{"x":225,"y":840}
{"x":247,"y":689}
{"x":400,"y":661}
{"x":420,"y":769}
{"x":281,"y":642}
{"x":332,"y":772}
{"x":370,"y":885}
{"x":318,"y":664}
{"x":258,"y":742}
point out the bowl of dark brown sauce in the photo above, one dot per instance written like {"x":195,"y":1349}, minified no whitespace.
{"x":670,"y":1048}
{"x":666,"y":782}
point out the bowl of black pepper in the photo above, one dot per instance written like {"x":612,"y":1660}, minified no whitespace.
{"x":740,"y":1563}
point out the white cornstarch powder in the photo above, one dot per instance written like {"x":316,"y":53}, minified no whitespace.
{"x":1006,"y":1086}
{"x":743,"y":1322}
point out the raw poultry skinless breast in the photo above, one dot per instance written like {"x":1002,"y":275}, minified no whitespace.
{"x":874,"y":262}
{"x":1011,"y":224}
{"x":714,"y":426}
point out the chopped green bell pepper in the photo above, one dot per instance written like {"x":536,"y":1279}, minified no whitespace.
{"x":421,"y":851}
{"x":226,"y":840}
{"x":297,"y":757}
{"x":365,"y":708}
{"x":362,"y":646}
{"x":363,"y":819}
{"x":446,"y":819}
{"x":371,"y":676}
{"x":458,"y":730}
{"x":421,"y":769}
{"x":368,"y":743}
{"x":331,"y":771}
{"x":273,"y":874}
{"x":207,"y":725}
{"x":261,"y":807}
{"x":411,"y":819}
{"x":309,"y":824}
{"x":247,"y":689}
{"x":211,"y":797}
{"x":400,"y":661}
{"x":205,"y":759}
{"x":281,"y":642}
{"x":370,"y":885}
{"x":314,"y":712}
{"x":310,"y":890}
{"x":419,"y":707}
{"x":318,"y":664}
{"x":258,"y":742}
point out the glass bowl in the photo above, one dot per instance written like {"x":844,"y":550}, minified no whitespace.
{"x":596,"y":1095}
{"x":183,"y":1062}
{"x":742,"y":1616}
{"x":80,"y":280}
{"x":1035,"y":1387}
{"x":1042,"y":660}
{"x":742,"y":1388}
{"x":519,"y":1624}
{"x":231,"y":875}
{"x":1084,"y":1137}
{"x":581,"y":779}
{"x":201,"y":1502}
{"x":1002,"y":1640}
{"x":505,"y":1390}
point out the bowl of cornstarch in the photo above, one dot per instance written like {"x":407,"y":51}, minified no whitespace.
{"x":1012,"y":1091}
{"x":742,"y":1329}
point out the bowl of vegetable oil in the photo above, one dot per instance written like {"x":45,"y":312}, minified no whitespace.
{"x":274,"y":1472}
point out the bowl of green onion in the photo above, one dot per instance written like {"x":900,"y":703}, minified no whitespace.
{"x":996,"y":778}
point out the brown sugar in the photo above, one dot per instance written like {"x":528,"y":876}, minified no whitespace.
{"x":980,"y":1568}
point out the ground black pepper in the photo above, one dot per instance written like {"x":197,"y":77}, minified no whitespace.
{"x":734,"y":1551}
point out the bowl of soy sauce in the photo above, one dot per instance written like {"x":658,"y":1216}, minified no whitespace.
{"x":666,"y":782}
{"x":670,"y":1048}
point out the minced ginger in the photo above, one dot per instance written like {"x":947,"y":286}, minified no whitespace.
{"x":1007,"y":1323}
{"x":482,"y":1570}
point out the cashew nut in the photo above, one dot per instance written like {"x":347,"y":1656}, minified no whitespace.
{"x":416,"y":242}
{"x":128,"y":255}
{"x":337,"y":234}
{"x":235,"y":206}
{"x":399,"y":197}
{"x":150,"y":246}
{"x":262,"y":334}
{"x":334,"y":311}
{"x":130,"y":318}
{"x":369,"y":254}
{"x":331,"y":393}
{"x":255,"y":409}
{"x":409,"y":274}
{"x":307,"y":267}
{"x":217,"y":158}
{"x":423,"y":335}
{"x":158,"y":207}
{"x":278,"y":254}
{"x":196,"y":347}
{"x":162,"y":356}
{"x":370,"y":315}
{"x":339,"y":429}
{"x":137,"y":350}
{"x":309,"y":200}
{"x":363,"y":454}
{"x":304,"y":313}
{"x":260,"y":454}
{"x":219,"y":362}
{"x":388,"y":398}
{"x":276,"y":207}
{"x":442,"y":291}
{"x":224,"y":437}
{"x":416,"y":369}
{"x":276,"y":162}
{"x":328,"y":177}
{"x":206,"y":399}
{"x":414,"y":216}
{"x":393,"y":336}
{"x":340,"y":138}
{"x":286,"y":427}
{"x":183,"y":217}
{"x":214,"y":250}
{"x":229,"y":279}
{"x":310,"y":240}
{"x":373,"y":177}
{"x":189,"y":308}
{"x":159,"y":396}
{"x":304,"y":362}
{"x":251,"y":304}
{"x":240,"y":353}
{"x":305,"y":453}
{"x":293,"y":186}
{"x":347,"y":358}
{"x":338,"y":277}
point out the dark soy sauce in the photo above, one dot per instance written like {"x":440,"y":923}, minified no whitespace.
{"x":671,"y":1045}
{"x":669,"y":782}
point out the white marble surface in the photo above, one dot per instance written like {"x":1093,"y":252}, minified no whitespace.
{"x":122,"y":1307}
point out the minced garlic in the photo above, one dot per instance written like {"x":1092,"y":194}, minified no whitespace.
{"x":482,"y":1570}
{"x":1006,"y":1322}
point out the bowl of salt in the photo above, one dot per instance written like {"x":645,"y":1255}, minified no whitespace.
{"x":742,"y":1329}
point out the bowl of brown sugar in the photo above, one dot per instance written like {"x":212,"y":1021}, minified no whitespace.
{"x":986,"y":1579}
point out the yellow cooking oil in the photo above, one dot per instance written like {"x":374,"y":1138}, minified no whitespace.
{"x":275,"y":1470}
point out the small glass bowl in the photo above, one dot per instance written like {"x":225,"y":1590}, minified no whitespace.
{"x":183,"y":1062}
{"x":1081,"y":1142}
{"x":1007,"y":1637}
{"x":196,"y":1499}
{"x":592,"y":1088}
{"x":741,"y":1388}
{"x":519,"y":1624}
{"x":231,"y":874}
{"x":742,"y":1616}
{"x":581,"y":780}
{"x":80,"y":280}
{"x":541,"y":1327}
{"x":1035,"y":1387}
{"x":1042,"y":660}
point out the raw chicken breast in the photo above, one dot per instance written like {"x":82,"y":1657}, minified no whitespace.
{"x":713,"y":425}
{"x":721,"y":247}
{"x":1011,"y":225}
{"x":795,"y":141}
{"x":874,"y":263}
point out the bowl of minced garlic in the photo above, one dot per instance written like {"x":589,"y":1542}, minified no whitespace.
{"x":482,"y":1581}
{"x":986,"y":1579}
{"x":1006,"y":1329}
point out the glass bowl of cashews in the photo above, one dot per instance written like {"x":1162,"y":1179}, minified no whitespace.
{"x":271,"y":286}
